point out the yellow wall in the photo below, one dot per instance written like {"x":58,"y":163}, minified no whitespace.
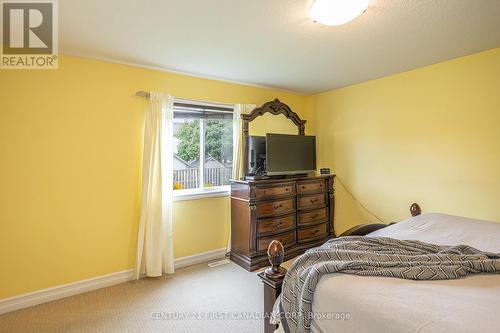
{"x":71,"y":141}
{"x":70,"y":147}
{"x":201,"y":225}
{"x":430,"y":135}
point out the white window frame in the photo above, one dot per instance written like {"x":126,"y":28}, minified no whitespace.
{"x":202,"y":192}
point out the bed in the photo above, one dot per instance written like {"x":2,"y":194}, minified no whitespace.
{"x":380,"y":304}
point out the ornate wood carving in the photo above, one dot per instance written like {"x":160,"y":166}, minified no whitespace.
{"x":275,"y":107}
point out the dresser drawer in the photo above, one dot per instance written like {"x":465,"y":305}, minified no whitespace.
{"x":277,"y":224}
{"x":311,"y":187}
{"x":275,"y":207}
{"x":311,"y":201}
{"x":311,"y":233}
{"x":313,"y":216}
{"x":286,"y":239}
{"x":275,"y":191}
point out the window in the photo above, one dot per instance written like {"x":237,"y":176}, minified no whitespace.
{"x":203,"y":146}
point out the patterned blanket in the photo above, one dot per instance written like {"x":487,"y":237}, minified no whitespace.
{"x":367,"y":256}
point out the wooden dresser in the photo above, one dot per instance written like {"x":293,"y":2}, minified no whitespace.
{"x":298,"y":212}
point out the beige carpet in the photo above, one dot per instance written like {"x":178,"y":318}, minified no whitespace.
{"x":128,"y":307}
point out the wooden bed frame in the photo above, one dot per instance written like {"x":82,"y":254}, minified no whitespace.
{"x":273,"y":282}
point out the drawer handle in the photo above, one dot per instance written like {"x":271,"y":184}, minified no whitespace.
{"x":286,"y":189}
{"x":278,"y":206}
{"x":303,"y":187}
{"x":315,"y":231}
{"x":278,"y":225}
{"x":314,"y":216}
{"x":314,"y":200}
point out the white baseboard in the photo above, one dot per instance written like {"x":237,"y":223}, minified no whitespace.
{"x":200,"y":258}
{"x":65,"y":290}
{"x":82,"y":286}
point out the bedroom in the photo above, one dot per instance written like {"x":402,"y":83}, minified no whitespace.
{"x":403,"y":102}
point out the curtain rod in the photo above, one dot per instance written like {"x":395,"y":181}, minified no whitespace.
{"x":142,"y":93}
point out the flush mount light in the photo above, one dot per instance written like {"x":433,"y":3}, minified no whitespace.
{"x":337,"y":12}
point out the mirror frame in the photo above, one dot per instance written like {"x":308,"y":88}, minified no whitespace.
{"x":275,"y":107}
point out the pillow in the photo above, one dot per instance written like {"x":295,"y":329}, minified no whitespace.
{"x":442,"y":229}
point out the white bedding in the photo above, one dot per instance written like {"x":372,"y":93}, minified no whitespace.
{"x":380,"y":304}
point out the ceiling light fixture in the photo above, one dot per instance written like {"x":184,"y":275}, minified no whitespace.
{"x":337,"y":12}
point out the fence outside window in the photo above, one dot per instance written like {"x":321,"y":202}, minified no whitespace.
{"x":189,"y":178}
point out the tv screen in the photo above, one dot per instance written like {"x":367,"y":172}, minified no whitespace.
{"x":290,"y":154}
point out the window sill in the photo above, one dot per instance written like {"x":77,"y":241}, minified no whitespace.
{"x":202,"y":193}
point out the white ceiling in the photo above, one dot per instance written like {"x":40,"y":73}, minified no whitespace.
{"x":273,"y":42}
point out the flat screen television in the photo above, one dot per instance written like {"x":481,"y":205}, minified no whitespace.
{"x":290,"y":154}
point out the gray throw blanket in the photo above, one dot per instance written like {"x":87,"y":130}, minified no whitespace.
{"x":367,"y":256}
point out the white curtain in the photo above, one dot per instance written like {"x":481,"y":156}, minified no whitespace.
{"x":239,"y":109}
{"x":155,"y":252}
